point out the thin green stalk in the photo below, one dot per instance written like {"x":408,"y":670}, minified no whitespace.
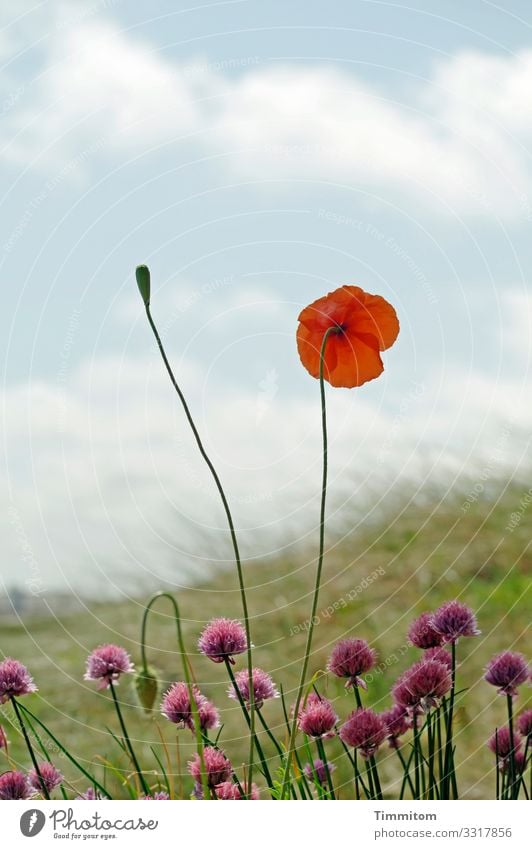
{"x":273,"y":739}
{"x":30,"y":748}
{"x":431,"y":737}
{"x":295,"y":754}
{"x":448,"y":758}
{"x":406,"y":773}
{"x":439,"y":742}
{"x":513,"y":783}
{"x":497,"y":771}
{"x":67,"y":754}
{"x":310,"y":632}
{"x":228,"y":515}
{"x":187,"y":672}
{"x":127,"y":740}
{"x":247,"y":717}
{"x":323,"y":757}
{"x":417,"y":782}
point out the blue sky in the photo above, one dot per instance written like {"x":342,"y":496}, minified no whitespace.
{"x":256,"y":155}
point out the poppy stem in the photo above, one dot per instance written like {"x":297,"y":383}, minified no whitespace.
{"x":310,"y":632}
{"x":187,"y":672}
{"x":230,"y":523}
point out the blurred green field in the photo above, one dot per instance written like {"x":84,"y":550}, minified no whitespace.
{"x":419,"y":555}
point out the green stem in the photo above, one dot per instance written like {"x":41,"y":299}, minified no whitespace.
{"x":247,"y":717}
{"x":513,"y":783}
{"x":127,"y":740}
{"x":416,"y":756}
{"x":187,"y":672}
{"x":230,"y":523}
{"x":30,"y":748}
{"x":448,"y":758}
{"x":497,"y":771}
{"x":310,"y":631}
{"x":321,"y":752}
{"x":406,"y":772}
{"x":67,"y":754}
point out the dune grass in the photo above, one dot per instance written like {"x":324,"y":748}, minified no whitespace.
{"x":375,"y":581}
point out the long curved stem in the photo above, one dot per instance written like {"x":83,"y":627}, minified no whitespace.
{"x":310,"y":632}
{"x":230,"y":523}
{"x":187,"y":671}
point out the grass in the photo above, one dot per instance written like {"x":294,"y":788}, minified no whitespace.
{"x":376,"y":579}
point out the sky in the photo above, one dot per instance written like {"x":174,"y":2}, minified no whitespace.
{"x":256,"y":156}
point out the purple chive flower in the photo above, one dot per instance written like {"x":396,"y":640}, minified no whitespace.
{"x":160,"y":796}
{"x":441,"y":655}
{"x":499,"y":743}
{"x":106,"y":664}
{"x":422,"y":686}
{"x":221,"y":639}
{"x":524,"y":723}
{"x":397,"y":723}
{"x":350,"y":659}
{"x":177,"y":708}
{"x":51,"y":777}
{"x":364,"y":730}
{"x":317,"y":771}
{"x":317,"y":717}
{"x":507,"y":671}
{"x":519,"y":761}
{"x":217,"y":767}
{"x":14,"y":785}
{"x":15,"y":680}
{"x":90,"y":795}
{"x":453,"y":620}
{"x":423,"y":634}
{"x":230,"y":791}
{"x":263,"y":687}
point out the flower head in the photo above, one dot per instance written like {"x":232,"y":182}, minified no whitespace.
{"x":51,"y":777}
{"x":317,"y":717}
{"x":106,"y":664}
{"x":263,"y":687}
{"x":453,"y":620}
{"x":90,"y":795}
{"x":397,"y":723}
{"x":422,"y":686}
{"x":14,"y":785}
{"x":217,"y":767}
{"x":507,"y":671}
{"x":524,"y":723}
{"x":363,"y":326}
{"x":221,"y":639}
{"x":317,"y":772}
{"x":230,"y":791}
{"x":177,"y":708}
{"x":161,"y":796}
{"x":15,"y":680}
{"x":500,"y":743}
{"x":364,"y":730}
{"x":422,"y":633}
{"x":440,"y":654}
{"x":350,"y":659}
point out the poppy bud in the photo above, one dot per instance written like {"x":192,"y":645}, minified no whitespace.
{"x":146,"y":687}
{"x":142,"y":273}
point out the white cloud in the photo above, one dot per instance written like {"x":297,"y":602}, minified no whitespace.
{"x":460,"y":138}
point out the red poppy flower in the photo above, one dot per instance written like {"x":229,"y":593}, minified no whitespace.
{"x":365,"y":325}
